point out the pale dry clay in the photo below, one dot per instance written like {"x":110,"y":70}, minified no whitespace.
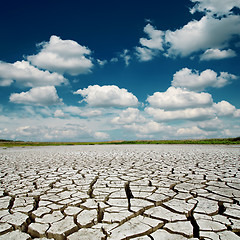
{"x":118,"y":192}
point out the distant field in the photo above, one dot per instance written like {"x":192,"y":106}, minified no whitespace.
{"x":7,"y":143}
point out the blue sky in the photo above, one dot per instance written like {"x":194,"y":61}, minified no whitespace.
{"x":112,"y":70}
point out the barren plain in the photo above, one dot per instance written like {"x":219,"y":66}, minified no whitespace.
{"x":116,"y":192}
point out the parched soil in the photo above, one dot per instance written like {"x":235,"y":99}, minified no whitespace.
{"x":117,"y":192}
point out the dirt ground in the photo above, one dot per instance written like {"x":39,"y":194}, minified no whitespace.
{"x":117,"y":192}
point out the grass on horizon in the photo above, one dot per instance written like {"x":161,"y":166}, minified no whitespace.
{"x":9,"y":143}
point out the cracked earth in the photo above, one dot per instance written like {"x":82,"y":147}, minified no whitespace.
{"x":120,"y":192}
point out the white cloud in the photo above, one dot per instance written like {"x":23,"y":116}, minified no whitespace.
{"x":63,"y":56}
{"x":227,"y":132}
{"x":218,"y":7}
{"x":216,"y":54}
{"x":192,"y":131}
{"x":107,"y":96}
{"x":37,"y":128}
{"x":33,"y":110}
{"x":126,"y":57}
{"x":30,"y":123}
{"x":186,"y":114}
{"x":193,"y":80}
{"x":102,"y":62}
{"x":145,"y":54}
{"x":44,"y":110}
{"x":127,"y":116}
{"x":91,"y":113}
{"x":40,"y":96}
{"x":211,"y":34}
{"x":101,"y":135}
{"x":5,"y":82}
{"x":207,"y":33}
{"x":150,"y":127}
{"x":73,"y":110}
{"x":26,"y":75}
{"x":181,"y":104}
{"x":59,"y":113}
{"x":24,"y":130}
{"x":236,"y":113}
{"x":224,"y":108}
{"x":152,"y":46}
{"x":46,"y":133}
{"x":231,"y":131}
{"x":224,"y":79}
{"x":177,"y":98}
{"x":155,"y":40}
{"x":4,"y":132}
{"x":83,"y":112}
{"x":211,"y":125}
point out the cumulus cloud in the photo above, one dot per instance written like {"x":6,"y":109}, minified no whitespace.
{"x":59,"y":113}
{"x":73,"y":110}
{"x":63,"y":56}
{"x":191,"y":131}
{"x":155,"y":40}
{"x":211,"y":34}
{"x":83,"y":112}
{"x":65,"y":132}
{"x":36,"y":127}
{"x":101,"y":135}
{"x":150,"y":46}
{"x":91,"y":113}
{"x":182,"y":104}
{"x":186,"y":114}
{"x":129,"y":115}
{"x":107,"y":96}
{"x":40,"y":96}
{"x":145,"y":54}
{"x":237,"y":113}
{"x":216,"y":54}
{"x":193,"y":80}
{"x":224,"y":108}
{"x":217,"y":7}
{"x":32,"y":110}
{"x":4,"y":133}
{"x":4,"y":82}
{"x":178,"y":98}
{"x":214,"y":124}
{"x":150,"y":127}
{"x":25,"y":130}
{"x":27,"y":75}
{"x":207,"y":33}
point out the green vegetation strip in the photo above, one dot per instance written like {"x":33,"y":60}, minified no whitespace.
{"x":9,"y":143}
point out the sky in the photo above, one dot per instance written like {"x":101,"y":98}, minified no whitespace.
{"x":119,"y":70}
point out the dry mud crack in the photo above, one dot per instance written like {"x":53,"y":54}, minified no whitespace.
{"x":120,"y":192}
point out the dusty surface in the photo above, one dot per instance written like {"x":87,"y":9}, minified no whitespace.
{"x":120,"y":192}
